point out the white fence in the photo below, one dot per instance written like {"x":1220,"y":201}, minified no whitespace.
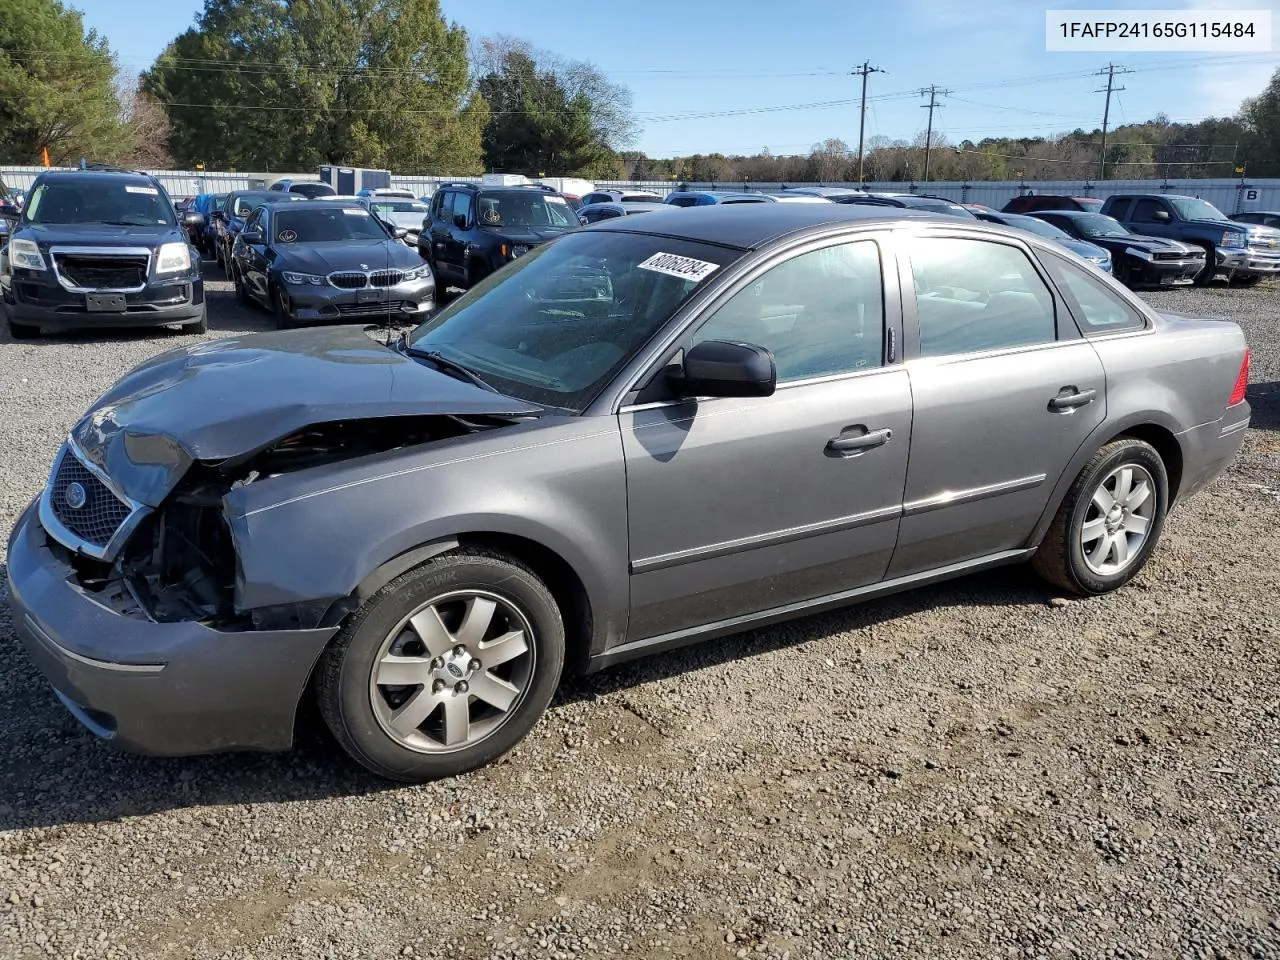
{"x":1231,"y":196}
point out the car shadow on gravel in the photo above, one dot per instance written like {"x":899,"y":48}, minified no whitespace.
{"x":1264,"y":399}
{"x":53,"y":773}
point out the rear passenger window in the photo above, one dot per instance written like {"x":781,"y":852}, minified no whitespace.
{"x":974,"y":295}
{"x":820,"y":313}
{"x":1098,"y":308}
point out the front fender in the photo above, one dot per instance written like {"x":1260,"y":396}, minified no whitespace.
{"x":321,"y":533}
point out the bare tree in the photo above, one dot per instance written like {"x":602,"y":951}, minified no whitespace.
{"x":147,"y":123}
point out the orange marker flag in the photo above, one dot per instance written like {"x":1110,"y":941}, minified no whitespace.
{"x":44,"y":153}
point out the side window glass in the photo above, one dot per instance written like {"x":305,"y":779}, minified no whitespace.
{"x":1145,"y":210}
{"x":444,"y":206}
{"x":820,"y":313}
{"x":461,"y":205}
{"x":1098,"y":308}
{"x":975,"y":295}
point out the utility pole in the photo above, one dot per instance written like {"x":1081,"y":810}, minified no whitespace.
{"x":1110,"y":73}
{"x":932,"y":105}
{"x":863,"y":71}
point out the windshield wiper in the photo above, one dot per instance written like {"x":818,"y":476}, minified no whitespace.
{"x":445,"y":364}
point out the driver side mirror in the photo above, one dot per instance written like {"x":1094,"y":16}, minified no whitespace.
{"x":723,"y":368}
{"x":252,"y":236}
{"x":193,"y":218}
{"x":460,"y":221}
{"x":1161,"y":216}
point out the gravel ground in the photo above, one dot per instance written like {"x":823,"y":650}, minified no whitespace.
{"x":973,"y":770}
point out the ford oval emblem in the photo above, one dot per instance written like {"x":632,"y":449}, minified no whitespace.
{"x":75,"y":496}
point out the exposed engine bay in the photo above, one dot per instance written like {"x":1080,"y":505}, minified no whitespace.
{"x":180,"y":563}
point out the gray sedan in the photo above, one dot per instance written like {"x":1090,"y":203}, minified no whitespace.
{"x":653,"y":431}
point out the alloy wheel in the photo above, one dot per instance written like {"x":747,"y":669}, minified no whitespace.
{"x":453,"y":672}
{"x":1119,"y":519}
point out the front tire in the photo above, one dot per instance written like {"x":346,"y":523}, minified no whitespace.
{"x":198,"y":326}
{"x":445,"y":669}
{"x":1205,"y":276}
{"x":23,"y":331}
{"x":1109,"y":522}
{"x":280,"y":307}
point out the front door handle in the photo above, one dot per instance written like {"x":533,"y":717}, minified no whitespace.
{"x":1069,"y":398}
{"x":851,"y":443}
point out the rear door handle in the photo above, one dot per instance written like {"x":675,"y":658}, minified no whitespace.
{"x":1069,"y":398}
{"x":850,"y":444}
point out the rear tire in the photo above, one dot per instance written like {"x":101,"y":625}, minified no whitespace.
{"x":437,"y":621}
{"x":1109,"y":522}
{"x":1249,"y":281}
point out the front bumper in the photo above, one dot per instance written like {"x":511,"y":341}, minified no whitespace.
{"x":164,"y":689}
{"x":1160,"y":273}
{"x":311,"y":303}
{"x":36,"y":298}
{"x":1250,"y":261}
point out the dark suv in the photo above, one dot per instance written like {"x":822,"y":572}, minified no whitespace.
{"x":100,"y":248}
{"x":1032,"y":203}
{"x":472,"y":230}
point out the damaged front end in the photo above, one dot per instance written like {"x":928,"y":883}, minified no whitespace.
{"x":176,"y":561}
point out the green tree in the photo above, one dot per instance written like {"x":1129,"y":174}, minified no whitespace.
{"x":1260,"y":116}
{"x":550,"y":116}
{"x":56,"y":86}
{"x":292,"y":84}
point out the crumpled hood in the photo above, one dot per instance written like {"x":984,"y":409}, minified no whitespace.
{"x":325,"y":258}
{"x":228,"y":398}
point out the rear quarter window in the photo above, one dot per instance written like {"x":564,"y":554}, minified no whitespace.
{"x":1097,"y":308}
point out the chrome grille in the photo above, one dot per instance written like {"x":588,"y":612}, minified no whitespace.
{"x":369,"y":309}
{"x":386,"y":278}
{"x":102,"y":512}
{"x":349,"y":280}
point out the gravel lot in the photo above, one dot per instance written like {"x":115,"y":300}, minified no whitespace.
{"x":973,"y":770}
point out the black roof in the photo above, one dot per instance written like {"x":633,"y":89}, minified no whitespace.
{"x":97,"y":176}
{"x":751,"y":225}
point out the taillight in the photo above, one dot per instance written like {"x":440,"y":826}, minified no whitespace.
{"x":1242,"y":382}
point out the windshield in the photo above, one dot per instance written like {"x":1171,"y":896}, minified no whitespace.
{"x":1093,"y":206}
{"x":524,"y":208}
{"x":326,"y":225}
{"x":102,"y":201}
{"x":1032,"y":225}
{"x":555,"y":326}
{"x":383,"y":207}
{"x":1098,"y":225}
{"x":1189,"y":209}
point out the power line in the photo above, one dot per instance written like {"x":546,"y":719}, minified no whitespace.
{"x":1110,"y":72}
{"x":932,"y":105}
{"x":863,"y":71}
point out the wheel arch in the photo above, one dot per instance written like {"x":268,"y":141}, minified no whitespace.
{"x":559,"y":575}
{"x":1151,"y":426}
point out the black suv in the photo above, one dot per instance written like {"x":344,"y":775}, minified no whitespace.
{"x":472,"y":230}
{"x":100,"y":248}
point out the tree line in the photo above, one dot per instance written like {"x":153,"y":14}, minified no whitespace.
{"x":263,"y":85}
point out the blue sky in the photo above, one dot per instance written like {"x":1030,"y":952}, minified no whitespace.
{"x":736,"y":77}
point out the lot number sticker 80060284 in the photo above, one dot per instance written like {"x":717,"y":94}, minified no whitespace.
{"x":674,"y":265}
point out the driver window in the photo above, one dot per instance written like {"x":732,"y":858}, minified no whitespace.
{"x":462,"y":205}
{"x":1145,"y":211}
{"x":820,"y":313}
